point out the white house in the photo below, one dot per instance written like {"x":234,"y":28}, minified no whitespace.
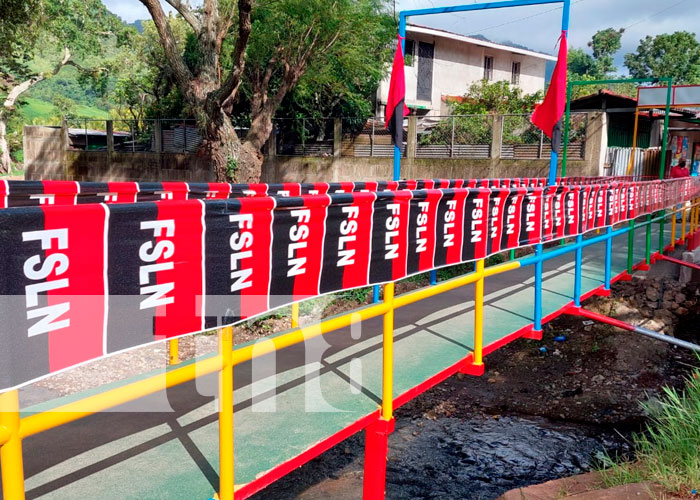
{"x":440,"y":65}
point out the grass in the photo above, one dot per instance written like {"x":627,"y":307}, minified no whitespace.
{"x":36,"y":110}
{"x":668,"y":452}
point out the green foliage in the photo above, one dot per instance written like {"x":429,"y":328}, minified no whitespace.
{"x":674,"y":55}
{"x":355,"y":295}
{"x":497,"y":97}
{"x":667,"y":453}
{"x":473,"y":125}
{"x":65,"y":105}
{"x":231,"y":167}
{"x":36,"y":111}
{"x":340,"y":79}
{"x":605,"y":44}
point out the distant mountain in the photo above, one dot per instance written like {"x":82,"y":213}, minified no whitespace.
{"x":137,"y":25}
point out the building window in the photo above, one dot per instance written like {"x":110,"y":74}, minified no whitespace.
{"x":488,"y":68}
{"x":409,"y":53}
{"x":515,"y":74}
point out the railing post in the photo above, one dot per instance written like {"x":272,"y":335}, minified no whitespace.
{"x":412,"y":142}
{"x":630,"y":248}
{"x":479,"y":314}
{"x":539,"y":153}
{"x":662,"y":236}
{"x":452,"y":140}
{"x":377,"y":434}
{"x":295,"y":315}
{"x":174,"y":351}
{"x":683,"y":226}
{"x":337,"y":137}
{"x":375,"y":294}
{"x":674,"y":214}
{"x":577,"y":270}
{"x":110,"y":136}
{"x":388,"y":355}
{"x":158,"y":135}
{"x":648,"y":242}
{"x":11,"y":452}
{"x":608,"y":258}
{"x":497,"y":136}
{"x":538,"y":289}
{"x":226,"y":475}
{"x":371,"y":141}
{"x":303,"y":136}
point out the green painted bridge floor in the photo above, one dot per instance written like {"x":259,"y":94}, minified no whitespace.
{"x":286,"y":402}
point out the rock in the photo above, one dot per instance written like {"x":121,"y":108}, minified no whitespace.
{"x":680,"y":298}
{"x":654,"y":325}
{"x":491,"y":381}
{"x":668,"y":305}
{"x":652,"y":294}
{"x":598,"y":379}
{"x":682,"y":311}
{"x":668,"y":296}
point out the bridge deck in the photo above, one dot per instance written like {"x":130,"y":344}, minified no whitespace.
{"x":174,"y":454}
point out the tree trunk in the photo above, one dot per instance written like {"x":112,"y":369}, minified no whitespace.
{"x":5,"y":162}
{"x":220,"y":143}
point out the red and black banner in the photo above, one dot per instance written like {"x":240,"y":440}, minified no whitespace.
{"x":105,"y":273}
{"x":389,"y":236}
{"x":449,"y":227}
{"x":52,"y":289}
{"x":298,"y":228}
{"x":422,"y":218}
{"x":238,"y":241}
{"x":347,"y":242}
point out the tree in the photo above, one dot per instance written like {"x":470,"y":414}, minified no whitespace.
{"x":264,"y":46}
{"x":497,"y":97}
{"x":674,"y":55}
{"x":599,"y":65}
{"x":605,"y":44}
{"x":62,"y":29}
{"x":482,"y":98}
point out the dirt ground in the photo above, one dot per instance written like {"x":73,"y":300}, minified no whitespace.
{"x":597,"y":375}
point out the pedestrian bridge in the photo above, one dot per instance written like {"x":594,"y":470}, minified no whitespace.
{"x":231,"y":423}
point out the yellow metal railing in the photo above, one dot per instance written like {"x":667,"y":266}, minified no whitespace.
{"x":14,"y":429}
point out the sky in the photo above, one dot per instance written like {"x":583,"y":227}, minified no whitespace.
{"x":537,"y":27}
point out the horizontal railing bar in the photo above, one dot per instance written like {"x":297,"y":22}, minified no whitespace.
{"x":76,"y":410}
{"x":304,"y":333}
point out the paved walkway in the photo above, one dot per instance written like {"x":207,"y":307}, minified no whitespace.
{"x":174,"y":455}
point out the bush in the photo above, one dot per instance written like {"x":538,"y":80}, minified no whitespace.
{"x":667,"y":453}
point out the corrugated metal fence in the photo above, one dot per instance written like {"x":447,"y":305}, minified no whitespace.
{"x":646,"y":161}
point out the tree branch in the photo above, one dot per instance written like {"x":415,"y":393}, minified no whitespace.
{"x":228,"y":89}
{"x":18,"y":90}
{"x":177,"y":64}
{"x":184,"y":9}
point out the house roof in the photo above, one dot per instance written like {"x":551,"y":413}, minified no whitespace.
{"x":96,"y":133}
{"x":604,"y":99}
{"x":610,"y":101}
{"x":424,"y":30}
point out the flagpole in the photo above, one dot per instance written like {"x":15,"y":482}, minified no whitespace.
{"x":397,"y":147}
{"x":554,"y":158}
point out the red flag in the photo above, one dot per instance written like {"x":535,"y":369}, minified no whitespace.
{"x":548,"y":115}
{"x":396,"y":108}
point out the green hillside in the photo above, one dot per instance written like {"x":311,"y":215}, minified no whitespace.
{"x":37,"y":111}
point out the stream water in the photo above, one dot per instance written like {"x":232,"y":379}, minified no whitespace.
{"x":449,"y":458}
